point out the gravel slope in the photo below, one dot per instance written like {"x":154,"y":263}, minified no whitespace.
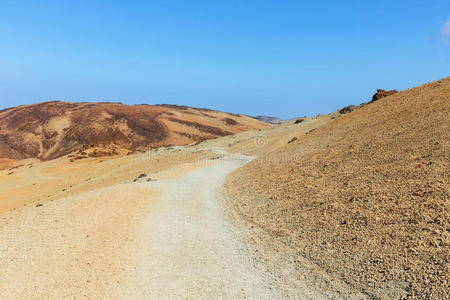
{"x":365,"y":196}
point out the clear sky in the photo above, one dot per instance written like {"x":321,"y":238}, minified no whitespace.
{"x":282,"y":58}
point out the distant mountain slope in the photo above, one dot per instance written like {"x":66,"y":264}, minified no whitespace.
{"x":271,"y":120}
{"x":53,"y":129}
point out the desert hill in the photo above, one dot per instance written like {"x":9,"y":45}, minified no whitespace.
{"x":364,"y":196}
{"x":54,"y":129}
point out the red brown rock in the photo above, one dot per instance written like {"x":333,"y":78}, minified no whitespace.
{"x":382,"y":93}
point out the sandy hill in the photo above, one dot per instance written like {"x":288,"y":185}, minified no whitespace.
{"x":53,"y":129}
{"x":364,"y":196}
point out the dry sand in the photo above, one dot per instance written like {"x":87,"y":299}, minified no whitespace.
{"x":100,"y":234}
{"x":165,"y":238}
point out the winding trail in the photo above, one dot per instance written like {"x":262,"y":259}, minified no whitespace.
{"x":164,"y":239}
{"x":188,"y":249}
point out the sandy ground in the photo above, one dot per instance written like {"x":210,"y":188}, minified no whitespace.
{"x":188,"y":250}
{"x":32,"y":181}
{"x":162,"y":239}
{"x":100,"y":234}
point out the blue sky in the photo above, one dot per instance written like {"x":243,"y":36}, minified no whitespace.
{"x":282,"y":58}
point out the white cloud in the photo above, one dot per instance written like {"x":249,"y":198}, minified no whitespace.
{"x":445,"y":31}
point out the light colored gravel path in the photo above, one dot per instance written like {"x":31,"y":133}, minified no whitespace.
{"x":165,"y":239}
{"x":188,"y":250}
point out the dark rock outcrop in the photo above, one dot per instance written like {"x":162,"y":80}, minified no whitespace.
{"x":382,"y":93}
{"x":347,"y":109}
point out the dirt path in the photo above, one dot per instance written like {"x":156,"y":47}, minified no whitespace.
{"x":188,"y":250}
{"x":163,"y":239}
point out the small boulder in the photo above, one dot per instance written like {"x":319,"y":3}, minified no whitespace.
{"x":382,"y":93}
{"x":292,"y":140}
{"x":346,"y":109}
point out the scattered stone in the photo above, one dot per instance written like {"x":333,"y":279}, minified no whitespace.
{"x":347,"y":109}
{"x":39,"y":205}
{"x":310,"y":131}
{"x":15,"y":167}
{"x":299,"y":121}
{"x":292,"y":140}
{"x":346,"y":222}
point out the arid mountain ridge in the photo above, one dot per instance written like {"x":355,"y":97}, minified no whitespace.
{"x":53,"y":129}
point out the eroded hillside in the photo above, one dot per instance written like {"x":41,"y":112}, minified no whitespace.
{"x":54,"y":129}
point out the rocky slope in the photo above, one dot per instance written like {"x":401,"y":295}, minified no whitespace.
{"x":365,"y":197}
{"x":53,"y":129}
